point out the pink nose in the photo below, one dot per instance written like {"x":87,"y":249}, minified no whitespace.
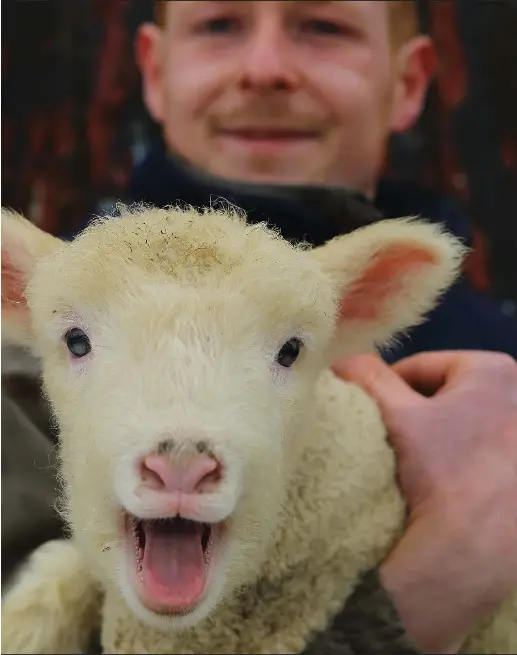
{"x":161,"y":473}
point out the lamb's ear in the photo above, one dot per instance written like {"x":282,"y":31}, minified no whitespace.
{"x":387,"y":277}
{"x":23,"y":245}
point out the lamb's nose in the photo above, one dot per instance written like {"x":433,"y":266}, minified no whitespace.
{"x":162,"y":473}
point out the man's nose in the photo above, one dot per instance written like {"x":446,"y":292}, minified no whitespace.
{"x":268,"y":63}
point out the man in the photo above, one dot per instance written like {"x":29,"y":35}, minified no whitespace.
{"x":290,"y":103}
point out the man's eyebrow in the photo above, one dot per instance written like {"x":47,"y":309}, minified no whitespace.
{"x":322,"y":3}
{"x":305,"y":2}
{"x":351,"y":8}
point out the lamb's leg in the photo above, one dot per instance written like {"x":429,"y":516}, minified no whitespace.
{"x":53,"y":604}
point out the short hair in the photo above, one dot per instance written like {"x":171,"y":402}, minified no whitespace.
{"x":402,"y":14}
{"x":159,"y":12}
{"x":404,"y":21}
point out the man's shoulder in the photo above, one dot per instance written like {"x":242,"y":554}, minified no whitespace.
{"x":465,"y":318}
{"x":395,"y":199}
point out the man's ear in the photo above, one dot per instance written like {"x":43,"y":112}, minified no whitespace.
{"x":149,"y":57}
{"x":23,"y":246}
{"x":415,"y":66}
{"x":387,"y":277}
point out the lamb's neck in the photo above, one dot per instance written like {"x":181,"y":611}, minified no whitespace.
{"x":298,"y":525}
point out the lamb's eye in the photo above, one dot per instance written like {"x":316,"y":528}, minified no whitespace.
{"x":289,"y":352}
{"x":77,"y":342}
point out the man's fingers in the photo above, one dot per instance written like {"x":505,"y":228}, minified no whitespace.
{"x":378,"y":380}
{"x":428,"y":372}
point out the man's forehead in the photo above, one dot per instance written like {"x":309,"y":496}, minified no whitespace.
{"x":356,"y":5}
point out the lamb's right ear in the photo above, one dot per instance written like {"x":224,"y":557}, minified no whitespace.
{"x":23,"y":246}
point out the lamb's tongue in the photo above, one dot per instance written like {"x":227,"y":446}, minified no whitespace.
{"x":173,"y":566}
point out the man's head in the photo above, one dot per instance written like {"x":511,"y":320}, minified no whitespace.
{"x":286,"y":92}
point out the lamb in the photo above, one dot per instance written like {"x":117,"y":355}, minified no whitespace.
{"x":224,"y":491}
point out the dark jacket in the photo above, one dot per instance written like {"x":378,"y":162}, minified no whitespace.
{"x":29,"y":486}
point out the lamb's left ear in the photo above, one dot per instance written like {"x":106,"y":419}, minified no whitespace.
{"x":387,"y":277}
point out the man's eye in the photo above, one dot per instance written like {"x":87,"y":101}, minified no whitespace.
{"x":220,"y":26}
{"x":320,"y":26}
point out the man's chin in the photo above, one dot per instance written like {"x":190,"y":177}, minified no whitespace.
{"x":263,"y":175}
{"x":262,"y":168}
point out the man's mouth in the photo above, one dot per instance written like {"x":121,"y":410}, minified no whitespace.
{"x":268,"y":132}
{"x":171,"y":559}
{"x":257,"y":136}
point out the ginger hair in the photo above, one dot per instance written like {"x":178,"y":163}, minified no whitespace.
{"x":159,"y":12}
{"x":403,"y":19}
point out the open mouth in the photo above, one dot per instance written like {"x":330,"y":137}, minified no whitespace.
{"x":171,"y":558}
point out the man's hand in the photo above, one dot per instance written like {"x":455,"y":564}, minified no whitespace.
{"x":452,"y":421}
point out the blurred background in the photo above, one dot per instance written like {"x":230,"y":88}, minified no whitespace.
{"x":73,"y":124}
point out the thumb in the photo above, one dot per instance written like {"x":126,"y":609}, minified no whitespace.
{"x":378,"y":380}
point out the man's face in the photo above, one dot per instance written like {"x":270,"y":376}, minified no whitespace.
{"x":280,"y":91}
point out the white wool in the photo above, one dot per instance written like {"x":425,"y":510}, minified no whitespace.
{"x":186,"y":312}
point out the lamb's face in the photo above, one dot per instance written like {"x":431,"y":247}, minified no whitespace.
{"x":178,"y":397}
{"x":180,"y":353}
